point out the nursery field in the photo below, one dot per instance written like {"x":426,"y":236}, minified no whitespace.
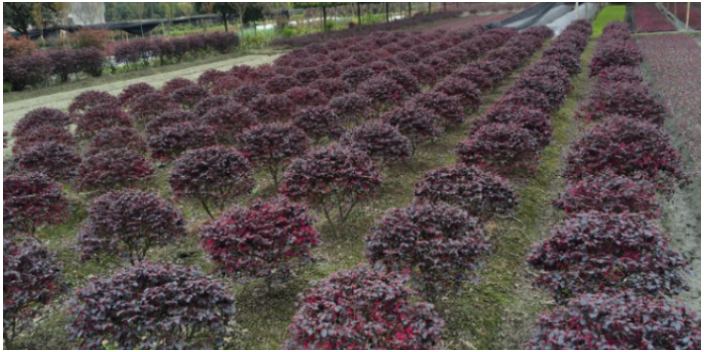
{"x":442,"y":187}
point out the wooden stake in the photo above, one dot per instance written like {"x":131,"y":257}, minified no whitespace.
{"x":687,"y":23}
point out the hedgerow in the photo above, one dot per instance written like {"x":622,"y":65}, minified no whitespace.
{"x":271,"y":146}
{"x":31,"y":200}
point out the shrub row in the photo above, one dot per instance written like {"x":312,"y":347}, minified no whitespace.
{"x":608,"y":262}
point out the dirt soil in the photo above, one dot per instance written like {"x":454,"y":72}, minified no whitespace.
{"x":12,"y":112}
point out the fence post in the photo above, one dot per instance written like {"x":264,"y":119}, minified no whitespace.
{"x":687,"y":23}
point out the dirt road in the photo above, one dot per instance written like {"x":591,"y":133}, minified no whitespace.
{"x":14,"y":111}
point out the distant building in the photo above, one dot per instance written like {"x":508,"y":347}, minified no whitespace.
{"x":86,"y":13}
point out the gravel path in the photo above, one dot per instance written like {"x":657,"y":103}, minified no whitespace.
{"x":12,"y":112}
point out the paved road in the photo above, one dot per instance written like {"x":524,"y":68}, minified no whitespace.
{"x":12,"y":112}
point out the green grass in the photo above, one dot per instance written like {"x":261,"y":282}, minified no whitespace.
{"x":611,"y":13}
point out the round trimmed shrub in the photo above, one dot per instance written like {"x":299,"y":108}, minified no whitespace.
{"x":175,"y":84}
{"x":528,"y":98}
{"x":404,"y":79}
{"x":621,"y":74}
{"x":626,"y":147}
{"x":318,"y":123}
{"x":610,"y":193}
{"x":31,"y":278}
{"x":40,"y":117}
{"x":188,"y":96}
{"x":229,"y":120}
{"x":342,"y":309}
{"x":382,"y":91}
{"x":152,"y":306}
{"x":245,"y":95}
{"x":134,"y":91}
{"x":280,"y":84}
{"x":535,"y":121}
{"x":208,"y":103}
{"x":478,"y":192}
{"x":304,"y":97}
{"x":381,"y":141}
{"x":634,"y":100}
{"x":31,"y":200}
{"x":174,"y":140}
{"x":553,"y":90}
{"x":272,"y":107}
{"x":116,"y":138}
{"x":438,"y":244}
{"x":271,"y":146}
{"x":465,"y":90}
{"x":601,"y":252}
{"x":332,"y":87}
{"x":129,"y":223}
{"x":167,"y":119}
{"x":100,"y":117}
{"x":354,"y":76}
{"x":476,"y":75}
{"x":147,"y":107}
{"x":351,"y":108}
{"x":44,"y":134}
{"x":113,"y":168}
{"x":268,"y":240}
{"x":213,"y":175}
{"x":447,"y":107}
{"x":332,"y":178}
{"x":418,"y":124}
{"x":91,"y":99}
{"x":623,"y":321}
{"x":501,"y":147}
{"x":56,"y":160}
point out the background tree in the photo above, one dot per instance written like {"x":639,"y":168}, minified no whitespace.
{"x":20,"y":15}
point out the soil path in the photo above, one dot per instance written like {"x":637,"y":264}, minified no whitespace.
{"x":14,"y":111}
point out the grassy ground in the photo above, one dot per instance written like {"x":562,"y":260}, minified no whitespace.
{"x":611,"y":13}
{"x":498,"y":312}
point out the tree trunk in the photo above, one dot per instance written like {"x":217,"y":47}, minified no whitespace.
{"x":224,"y":20}
{"x":410,"y":9}
{"x":430,"y":10}
{"x":325,"y":19}
{"x":386,"y":8}
{"x":359,"y":16}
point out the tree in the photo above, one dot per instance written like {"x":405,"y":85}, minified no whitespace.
{"x":186,"y":8}
{"x":20,"y":15}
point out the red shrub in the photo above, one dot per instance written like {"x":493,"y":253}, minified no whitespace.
{"x":222,"y":42}
{"x":63,"y":63}
{"x":504,"y":148}
{"x":53,"y":159}
{"x":381,"y":141}
{"x":90,"y":100}
{"x":167,"y":119}
{"x":354,"y":76}
{"x":535,"y":121}
{"x":174,"y":140}
{"x":271,"y":146}
{"x":342,"y":310}
{"x":147,"y":107}
{"x":610,"y":193}
{"x":406,"y":58}
{"x":437,"y":243}
{"x":116,"y":138}
{"x":307,"y":75}
{"x":280,"y":84}
{"x":474,"y":74}
{"x":16,"y":47}
{"x":404,"y":79}
{"x":493,"y":74}
{"x":31,"y":277}
{"x":626,"y":147}
{"x":527,"y":98}
{"x":441,"y":66}
{"x":620,"y":74}
{"x":478,"y":192}
{"x":113,"y":168}
{"x":214,"y":175}
{"x":189,"y":96}
{"x":228,"y":121}
{"x":179,"y":307}
{"x":351,"y":108}
{"x":39,"y":118}
{"x":100,"y":117}
{"x":465,"y":90}
{"x":128,"y":224}
{"x":448,"y":107}
{"x":332,"y":178}
{"x":633,"y":100}
{"x":551,"y":89}
{"x":208,"y":103}
{"x":266,"y":240}
{"x":247,"y":94}
{"x":31,"y":70}
{"x":134,"y":91}
{"x":600,"y":252}
{"x":611,"y":53}
{"x":304,"y":97}
{"x":332,"y":87}
{"x":623,"y":321}
{"x":425,"y":74}
{"x":382,"y":91}
{"x":175,"y":84}
{"x":318,"y":123}
{"x":272,"y":107}
{"x":44,"y":134}
{"x":418,"y":124}
{"x":31,"y":200}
